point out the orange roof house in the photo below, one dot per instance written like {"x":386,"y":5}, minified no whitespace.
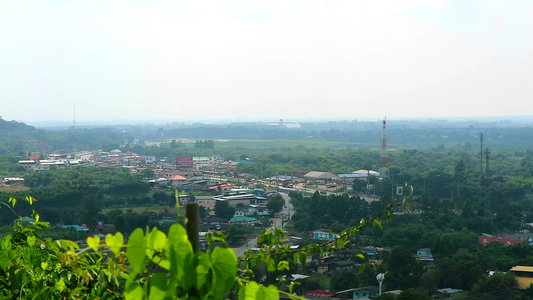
{"x":177,"y":178}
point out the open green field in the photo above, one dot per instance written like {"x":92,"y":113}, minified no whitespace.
{"x":20,"y":188}
{"x":143,"y":209}
{"x":301,"y":144}
{"x":305,"y":143}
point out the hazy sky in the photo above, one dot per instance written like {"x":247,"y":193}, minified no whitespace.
{"x":250,"y":60}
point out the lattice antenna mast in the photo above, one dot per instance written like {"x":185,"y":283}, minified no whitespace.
{"x":384,"y":156}
{"x":487,"y":184}
{"x":481,"y":159}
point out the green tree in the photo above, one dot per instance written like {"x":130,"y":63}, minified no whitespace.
{"x":202,"y":211}
{"x":147,"y":173}
{"x":224,"y":210}
{"x":162,"y":197}
{"x":462,"y":269}
{"x":404,"y":270}
{"x":497,"y":286}
{"x":440,"y":148}
{"x":92,"y":207}
{"x":414,"y":294}
{"x":345,"y":279}
{"x":275,"y":203}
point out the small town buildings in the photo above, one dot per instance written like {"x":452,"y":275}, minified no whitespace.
{"x":85,"y":156}
{"x":34,"y":156}
{"x":28,"y":164}
{"x":366,"y":173}
{"x":228,"y":165}
{"x":157,"y":183}
{"x":240,"y":212}
{"x":78,"y":228}
{"x":206,"y":201}
{"x":243,"y":219}
{"x":184,"y":199}
{"x":249,"y":214}
{"x":446,"y":293}
{"x":177,"y":180}
{"x":130,"y":158}
{"x":234,"y":198}
{"x":12,"y":180}
{"x":203,"y":162}
{"x":222,"y":187}
{"x":314,"y":176}
{"x":58,"y":157}
{"x":148,"y":159}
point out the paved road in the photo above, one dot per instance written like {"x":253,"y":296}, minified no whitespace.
{"x":285,"y":214}
{"x":288,"y":210}
{"x":251,"y":244}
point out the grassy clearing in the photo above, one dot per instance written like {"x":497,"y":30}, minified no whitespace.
{"x":307,"y":143}
{"x":143,"y":209}
{"x":11,"y":189}
{"x":265,"y":144}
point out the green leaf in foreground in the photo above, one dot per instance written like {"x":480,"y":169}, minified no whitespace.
{"x":224,"y":264}
{"x":115,"y":242}
{"x":136,"y":251}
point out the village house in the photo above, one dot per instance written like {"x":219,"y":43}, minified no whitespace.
{"x":177,"y":180}
{"x":366,"y":292}
{"x":322,"y":234}
{"x":206,"y":201}
{"x":424,"y":255}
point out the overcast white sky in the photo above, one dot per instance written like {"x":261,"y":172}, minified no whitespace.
{"x":259,"y":60}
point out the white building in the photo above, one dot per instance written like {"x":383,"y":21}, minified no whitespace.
{"x":206,"y":162}
{"x":148,"y":160}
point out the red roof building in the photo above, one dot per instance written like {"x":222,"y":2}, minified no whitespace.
{"x":34,"y":156}
{"x":177,"y":178}
{"x":485,"y":240}
{"x":223,"y":187}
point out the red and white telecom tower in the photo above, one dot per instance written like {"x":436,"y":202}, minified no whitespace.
{"x":384,"y":156}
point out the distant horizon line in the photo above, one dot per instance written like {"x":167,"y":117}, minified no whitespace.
{"x":119,"y":122}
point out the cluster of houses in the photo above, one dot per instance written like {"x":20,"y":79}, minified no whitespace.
{"x":186,"y":172}
{"x":53,"y":161}
{"x":320,"y":177}
{"x":184,"y":165}
{"x":38,"y":161}
{"x":330,"y":263}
